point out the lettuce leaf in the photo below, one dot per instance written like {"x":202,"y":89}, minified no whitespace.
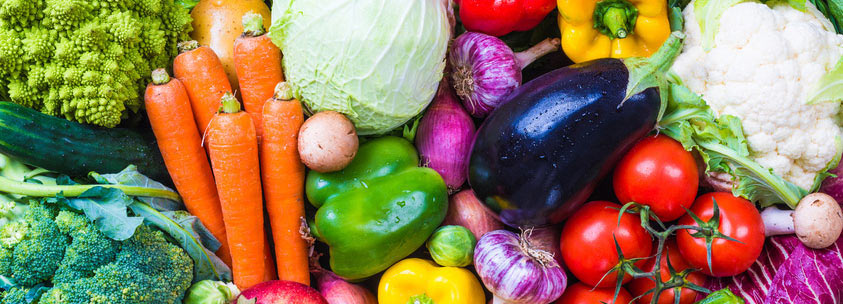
{"x":131,"y":177}
{"x":722,"y":145}
{"x":107,"y":208}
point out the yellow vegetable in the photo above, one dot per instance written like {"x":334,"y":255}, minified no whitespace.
{"x":594,"y":29}
{"x":217,"y":23}
{"x":424,"y":281}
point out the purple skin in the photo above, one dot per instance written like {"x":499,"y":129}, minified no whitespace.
{"x":444,"y":138}
{"x":517,"y":272}
{"x":485,"y":69}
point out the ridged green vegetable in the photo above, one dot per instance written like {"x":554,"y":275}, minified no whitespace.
{"x":66,"y":147}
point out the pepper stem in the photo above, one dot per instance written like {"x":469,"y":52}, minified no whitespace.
{"x":420,"y":299}
{"x":615,"y":18}
{"x":160,"y":76}
{"x":253,"y":24}
{"x":230,"y":105}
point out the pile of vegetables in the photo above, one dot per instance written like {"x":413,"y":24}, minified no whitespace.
{"x":421,"y":151}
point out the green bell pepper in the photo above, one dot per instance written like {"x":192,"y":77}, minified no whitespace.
{"x":378,"y":210}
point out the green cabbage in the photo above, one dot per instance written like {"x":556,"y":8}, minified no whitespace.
{"x":378,"y":62}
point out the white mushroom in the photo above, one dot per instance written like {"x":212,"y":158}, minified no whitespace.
{"x":327,"y":142}
{"x":817,"y":220}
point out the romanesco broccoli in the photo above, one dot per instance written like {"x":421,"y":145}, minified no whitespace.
{"x":86,"y":60}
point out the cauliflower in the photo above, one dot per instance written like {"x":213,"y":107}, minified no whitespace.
{"x":86,"y":60}
{"x":761,"y":68}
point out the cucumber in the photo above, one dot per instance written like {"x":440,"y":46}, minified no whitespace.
{"x":75,"y":149}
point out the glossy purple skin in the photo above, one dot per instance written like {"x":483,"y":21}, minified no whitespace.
{"x":512,"y":275}
{"x":444,"y":138}
{"x":484,"y":72}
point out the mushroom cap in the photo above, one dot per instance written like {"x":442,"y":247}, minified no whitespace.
{"x":818,"y":220}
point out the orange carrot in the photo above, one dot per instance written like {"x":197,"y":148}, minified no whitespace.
{"x":181,"y":146}
{"x":283,"y":180}
{"x":258,"y":64}
{"x":202,"y":74}
{"x":233,"y":147}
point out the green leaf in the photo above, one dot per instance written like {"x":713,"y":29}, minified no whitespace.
{"x":835,"y":14}
{"x":649,"y":72}
{"x":187,"y":4}
{"x":131,"y":177}
{"x":107,"y":208}
{"x":708,"y":14}
{"x":830,"y":86}
{"x":723,"y":147}
{"x":34,"y":293}
{"x":191,"y":236}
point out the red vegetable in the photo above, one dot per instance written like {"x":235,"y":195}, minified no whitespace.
{"x":280,"y":292}
{"x":738,"y":219}
{"x":640,"y":286}
{"x":659,"y":173}
{"x":466,"y":210}
{"x":580,"y":293}
{"x":500,"y":17}
{"x":588,"y":248}
{"x":444,"y":137}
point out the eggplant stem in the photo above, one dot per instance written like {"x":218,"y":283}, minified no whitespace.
{"x":535,"y":52}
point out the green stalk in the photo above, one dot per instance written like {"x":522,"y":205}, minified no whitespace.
{"x":615,"y":18}
{"x":39,"y":190}
{"x":648,"y":72}
{"x":230,"y":105}
{"x":253,"y":24}
{"x":160,"y":76}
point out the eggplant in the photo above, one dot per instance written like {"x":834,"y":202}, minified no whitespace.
{"x":539,"y":156}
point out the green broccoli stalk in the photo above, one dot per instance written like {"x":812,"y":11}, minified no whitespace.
{"x":40,"y":190}
{"x":83,"y":60}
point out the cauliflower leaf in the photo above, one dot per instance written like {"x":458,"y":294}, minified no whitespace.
{"x":830,"y":86}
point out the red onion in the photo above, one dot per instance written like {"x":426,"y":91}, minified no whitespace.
{"x":444,"y":137}
{"x":517,"y":272}
{"x":464,"y":209}
{"x":337,"y":291}
{"x":485,"y":69}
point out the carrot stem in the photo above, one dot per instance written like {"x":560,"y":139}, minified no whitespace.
{"x":253,"y":24}
{"x":230,"y":105}
{"x":160,"y":76}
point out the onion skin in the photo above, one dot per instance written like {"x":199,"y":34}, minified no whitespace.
{"x":464,"y":209}
{"x":337,"y":291}
{"x":485,"y":69}
{"x":515,"y":271}
{"x":547,"y":238}
{"x":444,"y":138}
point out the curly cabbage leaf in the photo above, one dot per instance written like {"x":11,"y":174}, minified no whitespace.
{"x":379,"y":62}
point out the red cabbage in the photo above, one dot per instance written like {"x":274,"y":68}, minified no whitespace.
{"x":789,"y":272}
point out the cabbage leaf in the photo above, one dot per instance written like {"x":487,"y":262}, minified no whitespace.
{"x":379,"y":62}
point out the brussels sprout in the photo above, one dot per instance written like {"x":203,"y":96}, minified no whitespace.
{"x":211,"y":292}
{"x":452,"y":246}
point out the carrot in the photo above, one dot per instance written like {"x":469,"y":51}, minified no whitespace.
{"x":233,"y":147}
{"x":283,"y":180}
{"x":172,"y":122}
{"x":258,"y":64}
{"x":202,"y":74}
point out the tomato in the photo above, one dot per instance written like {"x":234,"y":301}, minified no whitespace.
{"x":641,"y":285}
{"x":588,"y":248}
{"x":580,"y":293}
{"x":738,"y":219}
{"x":659,"y":173}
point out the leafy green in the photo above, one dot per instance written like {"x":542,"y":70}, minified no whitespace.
{"x":722,"y":145}
{"x":677,"y":20}
{"x":830,"y":86}
{"x":131,"y":177}
{"x":191,"y":236}
{"x":7,"y":282}
{"x":108,"y":209}
{"x":187,"y":4}
{"x":833,"y":10}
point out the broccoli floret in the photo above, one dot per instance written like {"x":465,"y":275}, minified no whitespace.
{"x":148,"y":269}
{"x":86,"y":60}
{"x":88,"y":250}
{"x":16,"y":295}
{"x":38,"y":245}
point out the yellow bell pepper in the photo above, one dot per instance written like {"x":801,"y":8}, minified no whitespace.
{"x":421,"y":281}
{"x":593,"y":29}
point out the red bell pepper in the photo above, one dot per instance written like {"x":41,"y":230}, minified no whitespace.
{"x":500,"y":17}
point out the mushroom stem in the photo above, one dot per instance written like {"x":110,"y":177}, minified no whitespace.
{"x":777,"y":221}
